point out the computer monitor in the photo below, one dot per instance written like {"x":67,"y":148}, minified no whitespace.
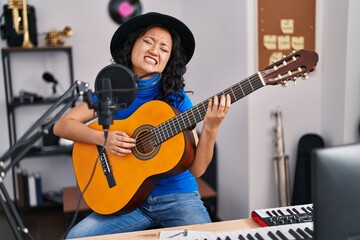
{"x":336,"y":192}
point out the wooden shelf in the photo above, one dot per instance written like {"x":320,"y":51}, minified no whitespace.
{"x":17,"y":102}
{"x":35,"y":49}
{"x":49,"y":150}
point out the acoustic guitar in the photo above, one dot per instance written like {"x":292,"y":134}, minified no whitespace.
{"x":164,"y":142}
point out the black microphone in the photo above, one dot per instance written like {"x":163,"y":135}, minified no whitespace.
{"x":123,"y":83}
{"x":106,"y":105}
{"x":116,"y":89}
{"x":48,"y":77}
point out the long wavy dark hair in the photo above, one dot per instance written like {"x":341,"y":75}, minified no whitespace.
{"x":172,"y":77}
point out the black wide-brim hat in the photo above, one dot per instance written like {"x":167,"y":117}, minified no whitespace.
{"x":186,"y":37}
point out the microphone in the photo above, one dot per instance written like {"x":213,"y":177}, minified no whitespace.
{"x":123,"y":83}
{"x":116,"y":88}
{"x":48,"y":77}
{"x":106,"y":104}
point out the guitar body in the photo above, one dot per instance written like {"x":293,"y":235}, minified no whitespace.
{"x":135,"y":174}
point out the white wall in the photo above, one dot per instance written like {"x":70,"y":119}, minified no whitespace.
{"x":341,"y":75}
{"x":220,"y":61}
{"x":300,"y":106}
{"x":225,"y":32}
{"x":352,"y":74}
{"x":334,"y":70}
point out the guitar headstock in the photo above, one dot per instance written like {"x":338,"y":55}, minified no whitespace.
{"x":298,"y":64}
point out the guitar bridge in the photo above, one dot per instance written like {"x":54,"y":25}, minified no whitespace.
{"x":105,"y":165}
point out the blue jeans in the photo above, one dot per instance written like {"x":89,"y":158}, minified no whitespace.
{"x":167,"y":210}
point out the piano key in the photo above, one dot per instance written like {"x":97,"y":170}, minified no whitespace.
{"x":287,"y":230}
{"x":224,"y":236}
{"x":291,"y":212}
{"x":263,"y":232}
{"x":283,"y":215}
{"x":295,"y":210}
{"x":275,"y":213}
{"x":269,"y":214}
{"x":241,"y":237}
{"x":302,"y":233}
{"x":282,"y":232}
{"x":258,"y":236}
{"x":281,"y":235}
{"x":309,"y":231}
{"x":251,"y":234}
{"x":272,"y":236}
{"x":295,"y":234}
{"x":305,"y":210}
{"x":298,"y":207}
{"x":288,"y":210}
{"x":302,"y":208}
{"x":249,"y":237}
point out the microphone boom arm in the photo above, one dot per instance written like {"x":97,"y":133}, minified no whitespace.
{"x":17,"y":151}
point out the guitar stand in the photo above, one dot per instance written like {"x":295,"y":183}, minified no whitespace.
{"x":16,"y":153}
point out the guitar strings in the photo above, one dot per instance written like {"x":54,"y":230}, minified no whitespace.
{"x":161,"y":132}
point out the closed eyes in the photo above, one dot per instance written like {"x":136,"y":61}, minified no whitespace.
{"x":151,"y":42}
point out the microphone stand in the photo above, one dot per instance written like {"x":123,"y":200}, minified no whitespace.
{"x":22,"y":146}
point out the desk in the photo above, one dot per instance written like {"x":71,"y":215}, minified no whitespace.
{"x":234,"y":225}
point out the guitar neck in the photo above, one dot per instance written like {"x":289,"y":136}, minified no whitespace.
{"x":196,"y":114}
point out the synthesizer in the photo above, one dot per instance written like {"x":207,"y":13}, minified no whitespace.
{"x":296,"y":231}
{"x":283,"y":215}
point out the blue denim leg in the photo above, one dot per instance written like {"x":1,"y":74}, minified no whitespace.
{"x":96,"y":224}
{"x":167,"y":210}
{"x":171,"y":210}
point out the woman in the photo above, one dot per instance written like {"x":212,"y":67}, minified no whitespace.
{"x":148,"y":43}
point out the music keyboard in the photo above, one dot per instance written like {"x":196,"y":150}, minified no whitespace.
{"x":296,"y":231}
{"x":283,"y":215}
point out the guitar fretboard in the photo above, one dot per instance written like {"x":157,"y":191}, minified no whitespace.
{"x":191,"y":117}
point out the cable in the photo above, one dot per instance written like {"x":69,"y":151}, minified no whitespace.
{"x":86,"y":187}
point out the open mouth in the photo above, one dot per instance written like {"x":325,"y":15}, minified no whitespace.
{"x":151,"y":60}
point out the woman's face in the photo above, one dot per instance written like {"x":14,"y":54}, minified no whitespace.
{"x":151,"y":51}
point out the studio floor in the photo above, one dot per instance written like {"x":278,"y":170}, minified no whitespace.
{"x":43,"y":224}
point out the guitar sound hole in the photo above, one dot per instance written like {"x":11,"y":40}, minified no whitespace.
{"x":145,"y":142}
{"x":145,"y":148}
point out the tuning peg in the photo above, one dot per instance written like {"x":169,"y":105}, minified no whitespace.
{"x":284,"y":84}
{"x":305,"y":76}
